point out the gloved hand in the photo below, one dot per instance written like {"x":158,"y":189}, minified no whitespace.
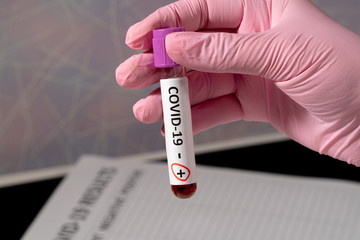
{"x":280,"y":61}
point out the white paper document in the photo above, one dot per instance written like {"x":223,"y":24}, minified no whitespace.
{"x":107,"y":199}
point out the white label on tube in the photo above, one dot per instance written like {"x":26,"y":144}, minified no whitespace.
{"x":178,"y":130}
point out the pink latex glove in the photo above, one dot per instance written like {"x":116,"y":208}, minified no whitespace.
{"x":280,"y":61}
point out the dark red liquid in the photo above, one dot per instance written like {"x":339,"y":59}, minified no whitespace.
{"x":184,"y":191}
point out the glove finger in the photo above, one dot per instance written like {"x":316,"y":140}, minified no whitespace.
{"x":202,"y":87}
{"x":149,"y":109}
{"x":191,"y":14}
{"x":216,"y":111}
{"x":137,"y":72}
{"x":248,"y":102}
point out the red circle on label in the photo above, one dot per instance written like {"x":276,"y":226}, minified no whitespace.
{"x":181,"y":166}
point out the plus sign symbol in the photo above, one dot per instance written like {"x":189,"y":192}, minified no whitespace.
{"x":180,"y":172}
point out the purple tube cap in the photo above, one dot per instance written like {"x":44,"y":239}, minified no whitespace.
{"x":161,"y":58}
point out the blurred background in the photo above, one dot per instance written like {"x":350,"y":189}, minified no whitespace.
{"x":58,"y":94}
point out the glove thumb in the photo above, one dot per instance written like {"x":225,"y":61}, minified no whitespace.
{"x":221,"y":52}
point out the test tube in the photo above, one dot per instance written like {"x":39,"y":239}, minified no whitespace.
{"x":177,"y":118}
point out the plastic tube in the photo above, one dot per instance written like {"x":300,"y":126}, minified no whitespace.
{"x":177,"y":118}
